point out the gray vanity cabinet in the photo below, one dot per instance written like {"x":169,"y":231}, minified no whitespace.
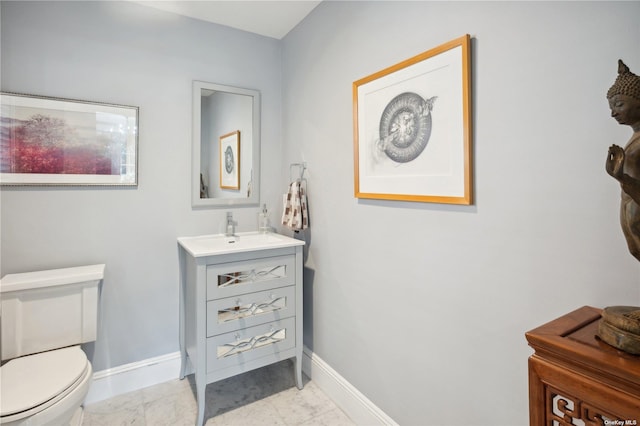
{"x":239,"y":311}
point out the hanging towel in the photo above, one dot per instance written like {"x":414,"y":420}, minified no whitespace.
{"x":294,"y":212}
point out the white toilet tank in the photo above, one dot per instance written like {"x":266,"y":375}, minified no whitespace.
{"x":51,"y":309}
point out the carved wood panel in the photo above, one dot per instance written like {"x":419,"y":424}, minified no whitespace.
{"x":566,"y":410}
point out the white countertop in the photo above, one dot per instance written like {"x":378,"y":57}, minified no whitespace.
{"x":217,"y":244}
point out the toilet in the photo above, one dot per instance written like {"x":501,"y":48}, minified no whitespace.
{"x":45,"y":316}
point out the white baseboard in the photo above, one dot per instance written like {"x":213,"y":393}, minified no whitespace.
{"x":130,"y":377}
{"x":138,"y":375}
{"x":357,"y":406}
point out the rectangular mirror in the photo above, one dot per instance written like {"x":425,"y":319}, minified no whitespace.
{"x":226,"y":146}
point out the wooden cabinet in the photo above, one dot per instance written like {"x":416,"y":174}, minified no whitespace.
{"x":239,"y":311}
{"x":575,"y":378}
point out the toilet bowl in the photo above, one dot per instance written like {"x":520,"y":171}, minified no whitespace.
{"x":44,"y":389}
{"x":44,"y":317}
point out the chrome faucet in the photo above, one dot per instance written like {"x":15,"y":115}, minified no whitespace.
{"x":231,"y":226}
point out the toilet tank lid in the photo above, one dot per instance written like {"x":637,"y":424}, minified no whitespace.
{"x":52,"y":277}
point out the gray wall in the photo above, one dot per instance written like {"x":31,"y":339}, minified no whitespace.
{"x":124,"y":53}
{"x":423,"y":307}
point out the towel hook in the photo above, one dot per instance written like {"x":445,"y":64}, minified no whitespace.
{"x":302,"y":166}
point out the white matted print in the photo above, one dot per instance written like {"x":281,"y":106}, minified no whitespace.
{"x":412,"y":128}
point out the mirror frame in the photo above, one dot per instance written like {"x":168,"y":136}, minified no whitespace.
{"x":254,"y":199}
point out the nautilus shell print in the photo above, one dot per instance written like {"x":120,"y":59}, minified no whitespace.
{"x":405,"y":127}
{"x":229,"y":160}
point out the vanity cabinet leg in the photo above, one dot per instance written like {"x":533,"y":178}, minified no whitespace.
{"x":200,"y":392}
{"x":182,"y":325}
{"x":183,"y":364}
{"x":298,"y":368}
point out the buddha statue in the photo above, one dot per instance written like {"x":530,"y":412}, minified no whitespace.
{"x":623,"y":164}
{"x":620,"y":325}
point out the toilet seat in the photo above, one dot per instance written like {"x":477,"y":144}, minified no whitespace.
{"x":33,"y":383}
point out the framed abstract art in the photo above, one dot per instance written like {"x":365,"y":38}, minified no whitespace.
{"x":53,"y":141}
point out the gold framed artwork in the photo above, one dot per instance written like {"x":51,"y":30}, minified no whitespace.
{"x":230,"y":160}
{"x":412,"y":128}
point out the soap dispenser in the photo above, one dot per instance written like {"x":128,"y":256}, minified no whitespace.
{"x":263,"y":220}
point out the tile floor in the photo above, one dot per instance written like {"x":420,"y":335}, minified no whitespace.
{"x":267,"y":396}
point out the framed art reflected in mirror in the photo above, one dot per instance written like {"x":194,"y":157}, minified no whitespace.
{"x":230,"y":160}
{"x":225,"y":167}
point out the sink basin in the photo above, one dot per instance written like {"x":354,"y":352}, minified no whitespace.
{"x":211,"y":245}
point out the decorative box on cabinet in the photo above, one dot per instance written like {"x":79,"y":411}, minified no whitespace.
{"x":574,"y":376}
{"x":239,"y":310}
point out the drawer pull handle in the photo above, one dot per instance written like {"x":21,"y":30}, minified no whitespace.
{"x":225,"y":280}
{"x":269,"y":304}
{"x":254,"y":308}
{"x":234,"y":348}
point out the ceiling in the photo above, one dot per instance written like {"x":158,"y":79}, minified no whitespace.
{"x":265,"y":17}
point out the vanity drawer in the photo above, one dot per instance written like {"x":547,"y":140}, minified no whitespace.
{"x":235,"y":278}
{"x":230,"y":349}
{"x":246,"y":310}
